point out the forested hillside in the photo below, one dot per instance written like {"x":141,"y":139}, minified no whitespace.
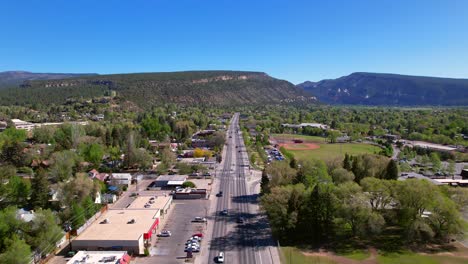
{"x":211,"y":88}
{"x":390,"y":90}
{"x":14,"y":78}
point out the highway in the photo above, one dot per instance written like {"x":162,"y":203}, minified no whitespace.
{"x":228,"y":236}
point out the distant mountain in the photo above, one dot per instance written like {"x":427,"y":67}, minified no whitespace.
{"x":362,"y":88}
{"x":210,"y":88}
{"x":12,"y":78}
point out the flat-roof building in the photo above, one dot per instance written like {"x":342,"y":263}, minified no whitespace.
{"x":127,"y":229}
{"x":168,"y":181}
{"x":95,"y":257}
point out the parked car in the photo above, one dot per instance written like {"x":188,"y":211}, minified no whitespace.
{"x":199,"y":219}
{"x":165,"y":233}
{"x":200,"y":235}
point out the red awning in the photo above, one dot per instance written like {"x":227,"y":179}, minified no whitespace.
{"x":150,"y":231}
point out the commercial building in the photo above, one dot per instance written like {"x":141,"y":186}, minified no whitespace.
{"x":127,"y":229}
{"x":168,"y":181}
{"x":189,"y":193}
{"x":124,"y":179}
{"x":94,"y":257}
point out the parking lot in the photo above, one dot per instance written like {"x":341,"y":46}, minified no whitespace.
{"x":179,"y":222}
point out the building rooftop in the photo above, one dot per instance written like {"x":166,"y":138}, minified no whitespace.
{"x":152,"y":202}
{"x":172,"y":178}
{"x":118,"y":227}
{"x":96,"y":257}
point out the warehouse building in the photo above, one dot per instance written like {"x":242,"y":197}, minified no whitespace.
{"x":129,"y":229}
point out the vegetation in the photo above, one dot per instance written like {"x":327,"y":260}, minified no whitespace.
{"x":209,"y":88}
{"x":363,"y":88}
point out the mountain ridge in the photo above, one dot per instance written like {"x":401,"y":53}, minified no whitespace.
{"x":216,"y":88}
{"x":387,"y":89}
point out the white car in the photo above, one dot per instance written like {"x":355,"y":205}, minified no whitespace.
{"x":199,"y":219}
{"x":165,"y":233}
{"x":220,"y":258}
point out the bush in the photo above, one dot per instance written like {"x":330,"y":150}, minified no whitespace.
{"x":189,"y":184}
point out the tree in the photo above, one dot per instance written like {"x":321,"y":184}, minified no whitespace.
{"x":265,"y":183}
{"x":347,"y":162}
{"x":391,"y":172}
{"x":451,"y":167}
{"x":280,"y":173}
{"x":63,"y":163}
{"x":436,"y":164}
{"x":43,"y":232}
{"x":379,"y":192}
{"x":93,"y":153}
{"x":78,"y":189}
{"x":16,"y":252}
{"x":333,"y":136}
{"x":40,"y":190}
{"x":78,"y":217}
{"x":18,"y":191}
{"x":89,"y":206}
{"x":445,"y":219}
{"x":341,"y":175}
{"x":188,"y":184}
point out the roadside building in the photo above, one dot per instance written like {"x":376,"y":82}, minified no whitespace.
{"x":120,"y":179}
{"x":189,"y":193}
{"x":165,"y":181}
{"x":93,"y":257}
{"x":129,"y":229}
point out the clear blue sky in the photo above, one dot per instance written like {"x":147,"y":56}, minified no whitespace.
{"x":292,"y":40}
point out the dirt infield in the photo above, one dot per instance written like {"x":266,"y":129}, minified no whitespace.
{"x":299,"y":146}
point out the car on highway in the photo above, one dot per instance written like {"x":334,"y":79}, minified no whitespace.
{"x":220,"y":257}
{"x":220,"y":194}
{"x":240,"y":220}
{"x":199,"y":219}
{"x":200,"y":235}
{"x":165,"y":233}
{"x":224,"y":212}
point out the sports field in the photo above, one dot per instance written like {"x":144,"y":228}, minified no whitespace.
{"x":317,"y":148}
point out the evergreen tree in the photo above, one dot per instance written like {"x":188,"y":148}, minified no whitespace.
{"x":40,"y":190}
{"x":391,"y":172}
{"x":265,"y":183}
{"x":347,"y":162}
{"x":293,"y":163}
{"x":78,"y":217}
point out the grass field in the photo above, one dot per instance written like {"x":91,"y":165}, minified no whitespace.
{"x":291,"y":255}
{"x":326,"y":151}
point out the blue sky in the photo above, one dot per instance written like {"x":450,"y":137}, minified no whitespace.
{"x":292,"y":40}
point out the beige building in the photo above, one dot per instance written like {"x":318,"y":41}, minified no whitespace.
{"x":127,"y":229}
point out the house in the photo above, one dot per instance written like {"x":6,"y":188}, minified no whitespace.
{"x":25,"y":215}
{"x":94,"y":174}
{"x":120,"y":179}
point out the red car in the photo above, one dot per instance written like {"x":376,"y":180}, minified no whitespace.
{"x":198,"y":235}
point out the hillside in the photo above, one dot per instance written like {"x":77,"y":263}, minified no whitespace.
{"x":212,"y":88}
{"x":14,"y":78}
{"x":390,"y":89}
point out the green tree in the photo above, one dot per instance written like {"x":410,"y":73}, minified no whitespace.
{"x":341,"y":175}
{"x":89,"y":206}
{"x":347,"y":162}
{"x":379,"y":192}
{"x":391,"y":172}
{"x":189,"y":184}
{"x":18,"y":191}
{"x":40,"y":189}
{"x":435,"y":160}
{"x":16,"y":252}
{"x":43,"y":232}
{"x":93,"y":153}
{"x":265,"y":183}
{"x":63,"y":163}
{"x":78,"y":215}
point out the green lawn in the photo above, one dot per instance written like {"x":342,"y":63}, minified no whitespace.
{"x":331,"y":151}
{"x":291,"y":255}
{"x":409,"y":258}
{"x":312,"y":139}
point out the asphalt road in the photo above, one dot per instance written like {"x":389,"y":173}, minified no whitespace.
{"x":235,"y":240}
